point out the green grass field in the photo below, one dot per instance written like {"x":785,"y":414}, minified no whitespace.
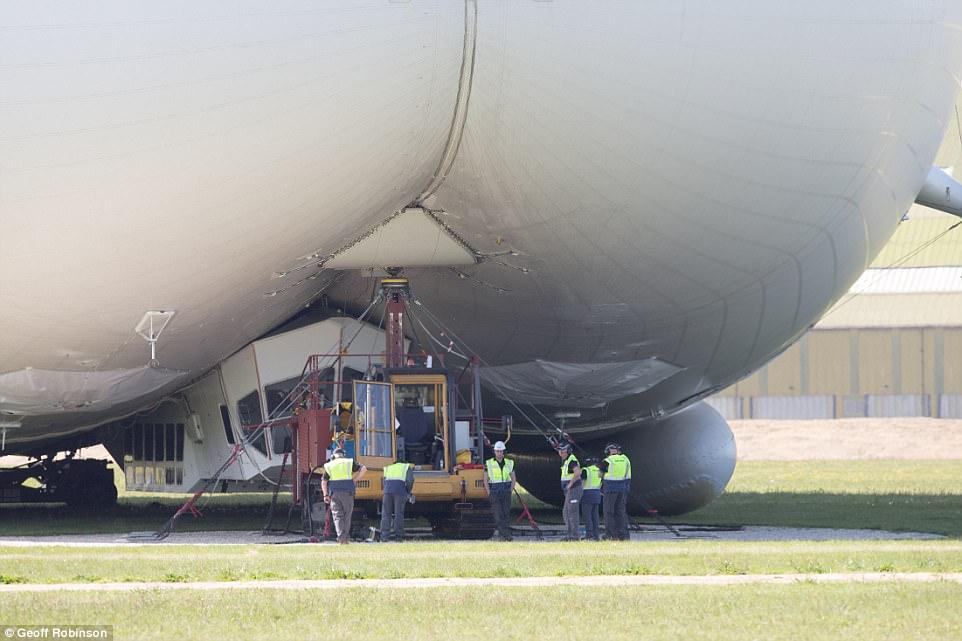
{"x":854,"y":612}
{"x":907,"y":495}
{"x":176,"y":563}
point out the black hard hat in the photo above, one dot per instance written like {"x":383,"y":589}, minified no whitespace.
{"x":564,"y":447}
{"x":612,"y":446}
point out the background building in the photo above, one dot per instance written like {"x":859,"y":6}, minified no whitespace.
{"x":892,"y":346}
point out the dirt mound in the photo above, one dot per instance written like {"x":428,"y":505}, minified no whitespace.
{"x":848,"y":439}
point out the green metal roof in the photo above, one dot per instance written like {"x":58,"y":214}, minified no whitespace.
{"x":894,"y":310}
{"x":925,"y":224}
{"x":916,"y":232}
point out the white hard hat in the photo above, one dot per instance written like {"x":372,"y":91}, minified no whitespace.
{"x":499,"y":446}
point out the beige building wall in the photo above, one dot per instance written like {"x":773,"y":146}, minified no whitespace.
{"x":952,"y":363}
{"x":875,"y":366}
{"x":901,"y":371}
{"x":830,"y":368}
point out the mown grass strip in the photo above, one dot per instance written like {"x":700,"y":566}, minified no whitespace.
{"x":857,"y":612}
{"x":174,"y":563}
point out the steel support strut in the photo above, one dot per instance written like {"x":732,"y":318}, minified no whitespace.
{"x":396,"y":294}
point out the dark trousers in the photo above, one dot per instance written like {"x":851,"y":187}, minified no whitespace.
{"x":501,"y":506}
{"x":392,"y":514}
{"x":616,"y":515}
{"x":571,"y":512}
{"x":589,"y":514}
{"x":342,"y":508}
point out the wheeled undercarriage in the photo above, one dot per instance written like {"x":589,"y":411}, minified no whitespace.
{"x":77,"y":482}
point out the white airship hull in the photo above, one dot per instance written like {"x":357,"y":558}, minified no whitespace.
{"x":691,"y":184}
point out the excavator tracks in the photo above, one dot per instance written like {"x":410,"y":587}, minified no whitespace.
{"x":466,"y":521}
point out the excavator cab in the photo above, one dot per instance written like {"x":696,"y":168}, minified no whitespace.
{"x":421,"y":407}
{"x":405,"y":419}
{"x":410,"y":417}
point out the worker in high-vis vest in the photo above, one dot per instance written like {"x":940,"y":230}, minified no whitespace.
{"x":591,"y":499}
{"x":398,"y":483}
{"x":499,"y":483}
{"x":615,"y":485}
{"x":337,"y":484}
{"x":572,"y":487}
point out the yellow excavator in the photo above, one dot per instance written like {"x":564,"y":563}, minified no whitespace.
{"x":411,"y":412}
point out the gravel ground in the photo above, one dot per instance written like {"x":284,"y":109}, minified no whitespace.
{"x":746,"y":533}
{"x":848,"y":439}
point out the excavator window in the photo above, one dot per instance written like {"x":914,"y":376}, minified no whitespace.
{"x":373,"y":419}
{"x":421,"y":414}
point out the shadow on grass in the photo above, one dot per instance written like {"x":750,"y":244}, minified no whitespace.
{"x":141,"y":513}
{"x":933,"y":513}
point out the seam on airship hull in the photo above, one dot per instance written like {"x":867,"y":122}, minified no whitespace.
{"x":459,"y":117}
{"x":451,"y":145}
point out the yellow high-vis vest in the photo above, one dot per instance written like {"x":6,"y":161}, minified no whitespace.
{"x":619,"y":468}
{"x":498,"y":474}
{"x":592,"y":477}
{"x":339,"y":469}
{"x":565,"y":474}
{"x":396,"y":472}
